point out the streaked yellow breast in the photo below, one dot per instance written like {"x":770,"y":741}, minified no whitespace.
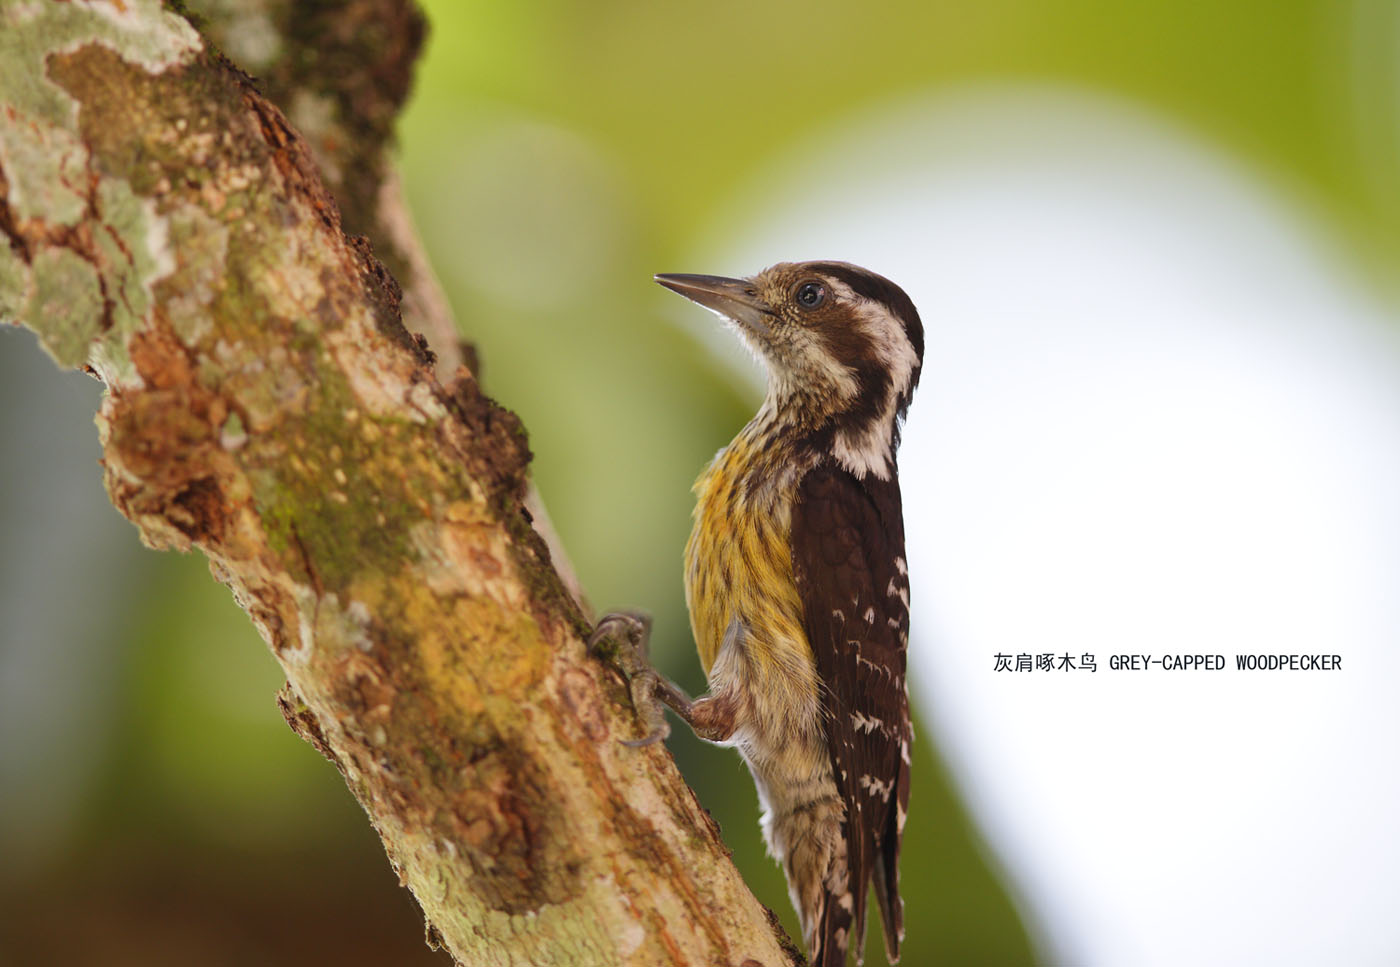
{"x":739,"y":564}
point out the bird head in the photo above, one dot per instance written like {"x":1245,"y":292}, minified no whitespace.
{"x":843,"y":348}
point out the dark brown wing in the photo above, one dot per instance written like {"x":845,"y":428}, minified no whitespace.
{"x":848,"y":560}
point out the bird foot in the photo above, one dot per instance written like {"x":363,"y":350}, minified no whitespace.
{"x":622,"y":639}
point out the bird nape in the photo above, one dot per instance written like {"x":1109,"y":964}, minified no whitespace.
{"x":798,"y":589}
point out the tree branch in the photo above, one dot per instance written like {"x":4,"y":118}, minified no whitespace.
{"x":166,"y":227}
{"x":340,"y":72}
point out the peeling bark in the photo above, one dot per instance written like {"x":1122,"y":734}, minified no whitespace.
{"x":167,"y":228}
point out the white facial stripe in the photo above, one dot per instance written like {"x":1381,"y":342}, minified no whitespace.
{"x":886,"y":332}
{"x":868,"y":450}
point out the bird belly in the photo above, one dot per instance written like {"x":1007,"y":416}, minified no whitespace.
{"x":739,"y":567}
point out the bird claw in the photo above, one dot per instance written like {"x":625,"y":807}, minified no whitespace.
{"x":630,"y":627}
{"x":632,"y":631}
{"x":663,"y":732}
{"x":643,"y":686}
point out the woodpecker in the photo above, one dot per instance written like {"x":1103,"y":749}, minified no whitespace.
{"x":798,"y":590}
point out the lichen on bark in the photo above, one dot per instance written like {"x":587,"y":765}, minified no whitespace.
{"x":77,"y":240}
{"x":167,"y":227}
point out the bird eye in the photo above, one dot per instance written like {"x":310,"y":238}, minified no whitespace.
{"x":810,"y":294}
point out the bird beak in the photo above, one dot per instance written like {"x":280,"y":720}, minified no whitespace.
{"x":732,"y":298}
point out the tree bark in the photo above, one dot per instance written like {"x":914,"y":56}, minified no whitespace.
{"x":165,"y":227}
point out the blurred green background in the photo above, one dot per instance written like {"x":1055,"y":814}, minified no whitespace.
{"x":153,"y":806}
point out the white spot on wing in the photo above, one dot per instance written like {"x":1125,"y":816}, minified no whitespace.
{"x":874,"y":666}
{"x":893,"y":589}
{"x":863,"y":723}
{"x":876,"y":787}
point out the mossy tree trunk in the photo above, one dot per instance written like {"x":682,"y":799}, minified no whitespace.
{"x":166,"y":227}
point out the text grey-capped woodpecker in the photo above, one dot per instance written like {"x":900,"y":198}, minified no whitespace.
{"x":798,"y":589}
